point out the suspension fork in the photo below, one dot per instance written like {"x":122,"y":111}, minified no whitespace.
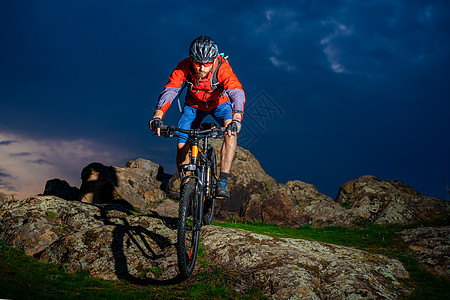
{"x":200,"y":167}
{"x":208,"y":169}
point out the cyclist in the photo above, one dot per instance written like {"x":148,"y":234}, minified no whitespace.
{"x":213,"y":89}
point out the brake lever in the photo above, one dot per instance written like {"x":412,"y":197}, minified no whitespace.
{"x":170,"y":133}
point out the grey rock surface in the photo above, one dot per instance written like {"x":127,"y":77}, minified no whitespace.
{"x":389,"y":202}
{"x":139,"y":184}
{"x":297,"y":269}
{"x":111,"y":242}
{"x":294,"y":204}
{"x":432,"y":245}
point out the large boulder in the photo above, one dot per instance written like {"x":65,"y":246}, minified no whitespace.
{"x":111,"y":242}
{"x":297,"y":269}
{"x":33,"y":224}
{"x":62,"y":189}
{"x":389,"y":202}
{"x":432,"y":245}
{"x":247,"y":179}
{"x":294,"y":204}
{"x":139,"y":184}
{"x":107,"y":240}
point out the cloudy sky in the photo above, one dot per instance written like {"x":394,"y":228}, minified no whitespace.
{"x":335,"y":89}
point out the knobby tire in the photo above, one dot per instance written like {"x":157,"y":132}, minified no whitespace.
{"x":188,"y":236}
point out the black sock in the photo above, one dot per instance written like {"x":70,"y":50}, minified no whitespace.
{"x":223,"y":176}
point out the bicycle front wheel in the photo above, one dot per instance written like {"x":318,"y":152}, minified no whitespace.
{"x":188,"y":228}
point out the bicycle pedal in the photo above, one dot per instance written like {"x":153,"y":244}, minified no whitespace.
{"x":219,"y":197}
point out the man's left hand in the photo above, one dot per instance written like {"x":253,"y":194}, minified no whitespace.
{"x":234,"y":127}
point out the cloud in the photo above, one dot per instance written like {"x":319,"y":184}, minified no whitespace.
{"x":282,"y":64}
{"x":3,"y":174}
{"x":21,"y":154}
{"x":5,"y":143}
{"x":269,"y":14}
{"x":6,"y":181}
{"x":375,"y":40}
{"x":331,"y":49}
{"x":26,"y":164}
{"x":40,"y":162}
{"x":282,"y":22}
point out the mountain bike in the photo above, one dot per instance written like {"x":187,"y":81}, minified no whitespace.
{"x":198,"y":191}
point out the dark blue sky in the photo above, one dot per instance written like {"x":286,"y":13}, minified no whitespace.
{"x":357,"y":87}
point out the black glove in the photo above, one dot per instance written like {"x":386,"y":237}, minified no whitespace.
{"x":234,"y":126}
{"x":155,"y":123}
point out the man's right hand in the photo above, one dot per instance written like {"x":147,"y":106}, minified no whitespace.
{"x":155,"y":125}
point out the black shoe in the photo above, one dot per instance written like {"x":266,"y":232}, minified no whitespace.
{"x":222,"y":189}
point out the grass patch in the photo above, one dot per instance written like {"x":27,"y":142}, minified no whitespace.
{"x":370,"y":236}
{"x":51,"y":215}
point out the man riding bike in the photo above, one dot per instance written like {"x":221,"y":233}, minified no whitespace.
{"x":213,"y":89}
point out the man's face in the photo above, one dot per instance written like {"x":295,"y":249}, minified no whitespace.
{"x":203,"y":69}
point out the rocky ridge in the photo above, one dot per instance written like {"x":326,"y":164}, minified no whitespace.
{"x":123,"y":227}
{"x":256,"y":196}
{"x":112,"y":242}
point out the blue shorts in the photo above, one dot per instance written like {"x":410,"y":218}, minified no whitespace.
{"x":192,"y":117}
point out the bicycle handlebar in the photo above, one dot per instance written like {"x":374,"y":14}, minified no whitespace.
{"x":170,"y":131}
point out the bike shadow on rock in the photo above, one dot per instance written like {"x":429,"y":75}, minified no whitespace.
{"x":114,"y":212}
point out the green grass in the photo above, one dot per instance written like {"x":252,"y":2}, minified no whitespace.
{"x":23,"y":277}
{"x":367,"y":237}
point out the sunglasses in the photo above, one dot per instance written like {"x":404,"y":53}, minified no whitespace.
{"x":198,"y":64}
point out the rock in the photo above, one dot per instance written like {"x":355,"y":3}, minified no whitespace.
{"x":32,"y":224}
{"x":125,"y":249}
{"x":107,"y":239}
{"x":138,"y":184}
{"x":252,"y":208}
{"x":168,"y":208}
{"x":389,"y":202}
{"x":111,"y":242}
{"x":153,"y":170}
{"x":296,"y":269}
{"x":297,"y":203}
{"x":432,"y":245}
{"x":403,"y":187}
{"x":61,"y":188}
{"x":247,"y":178}
{"x":173,"y":187}
{"x":5,"y":198}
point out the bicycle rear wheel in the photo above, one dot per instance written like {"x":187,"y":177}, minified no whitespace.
{"x":188,"y":229}
{"x":208,"y":210}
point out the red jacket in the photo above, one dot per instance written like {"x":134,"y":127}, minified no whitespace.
{"x":200,"y":93}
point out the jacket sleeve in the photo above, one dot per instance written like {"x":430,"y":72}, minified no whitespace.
{"x":232,"y":87}
{"x":173,"y":86}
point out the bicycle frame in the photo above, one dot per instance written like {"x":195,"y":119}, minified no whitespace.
{"x":196,"y":188}
{"x":198,"y":162}
{"x":199,"y":165}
